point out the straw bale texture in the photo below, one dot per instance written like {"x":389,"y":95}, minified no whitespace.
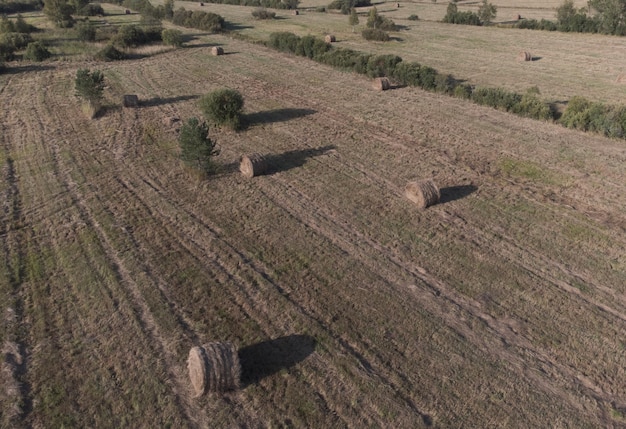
{"x":214,"y":367}
{"x":381,"y":84}
{"x":217,"y":50}
{"x":252,"y":165}
{"x":424,"y":193}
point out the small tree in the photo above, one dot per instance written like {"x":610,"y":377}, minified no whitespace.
{"x":172,"y":37}
{"x":59,"y":12}
{"x":90,"y":86}
{"x":223,"y":107}
{"x":373,"y":19}
{"x":487,"y":12}
{"x":168,"y":9}
{"x":354,"y":19}
{"x":37,"y":51}
{"x":196,"y":149}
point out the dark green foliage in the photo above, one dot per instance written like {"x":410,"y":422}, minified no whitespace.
{"x":89,"y":85}
{"x":347,"y":5}
{"x":407,"y":74}
{"x":320,"y":9}
{"x":597,"y":117}
{"x":346,"y":59}
{"x":463,"y":91}
{"x":284,"y":41}
{"x":109,"y":53}
{"x":486,"y":12}
{"x":15,"y":41}
{"x":172,"y":37}
{"x":531,"y":106}
{"x":413,"y":17}
{"x":196,"y":149}
{"x":16,"y":6}
{"x":533,"y":24}
{"x":610,"y":16}
{"x":382,"y":65}
{"x":59,"y":12}
{"x":496,"y":97}
{"x":223,"y":107}
{"x":134,"y":35}
{"x":375,"y":34}
{"x":453,"y":16}
{"x":86,"y":31}
{"x":312,"y":47}
{"x":90,"y":9}
{"x":6,"y":52}
{"x":428,"y":78}
{"x":353,"y":19}
{"x":445,"y":83}
{"x":205,"y":21}
{"x":7,"y":26}
{"x":36,"y":51}
{"x":263,"y":14}
{"x":21,"y":26}
{"x":168,"y":9}
{"x":379,"y":22}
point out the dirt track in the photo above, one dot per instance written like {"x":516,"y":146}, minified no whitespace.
{"x":501,"y":307}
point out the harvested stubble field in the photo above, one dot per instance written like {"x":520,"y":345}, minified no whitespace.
{"x":503,"y":306}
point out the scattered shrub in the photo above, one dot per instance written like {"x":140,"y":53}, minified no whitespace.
{"x":263,"y":14}
{"x":312,"y":47}
{"x":496,"y":97}
{"x":15,"y":41}
{"x":413,"y":17}
{"x":196,"y":148}
{"x":375,"y":34}
{"x":90,"y":9}
{"x":86,"y":31}
{"x":382,"y":65}
{"x":90,"y":87}
{"x":36,"y":51}
{"x":109,"y":53}
{"x":223,"y":107}
{"x":379,"y":22}
{"x":21,"y":26}
{"x":453,"y":16}
{"x":6,"y":25}
{"x":172,"y":37}
{"x":463,"y":91}
{"x":284,"y":41}
{"x":205,"y":21}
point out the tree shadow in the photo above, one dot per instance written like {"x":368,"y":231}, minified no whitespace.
{"x":275,"y":115}
{"x":293,"y":159}
{"x":158,"y":101}
{"x":11,"y":69}
{"x":263,"y":359}
{"x":453,"y":193}
{"x":231,"y":26}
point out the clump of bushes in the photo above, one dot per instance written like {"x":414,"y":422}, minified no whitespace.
{"x":311,"y":47}
{"x":533,"y":24}
{"x":196,"y":148}
{"x":263,"y":14}
{"x":347,"y":5}
{"x":375,"y":34}
{"x":86,"y":31}
{"x":382,"y":65}
{"x":453,"y":16}
{"x":17,"y":26}
{"x":584,"y":115}
{"x":37,"y":51}
{"x":132,"y":36}
{"x":90,"y":9}
{"x":413,"y":17}
{"x":223,"y":107}
{"x":109,"y":53}
{"x":205,"y":21}
{"x":90,"y":87}
{"x":284,"y":41}
{"x":172,"y":37}
{"x":379,"y":22}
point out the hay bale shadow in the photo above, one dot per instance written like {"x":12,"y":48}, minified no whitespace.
{"x":453,"y":193}
{"x":535,"y":58}
{"x":293,"y":158}
{"x":158,"y":101}
{"x":261,"y":360}
{"x":275,"y":115}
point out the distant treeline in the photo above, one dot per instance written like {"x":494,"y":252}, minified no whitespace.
{"x":580,"y":113}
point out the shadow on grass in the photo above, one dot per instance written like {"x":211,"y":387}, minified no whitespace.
{"x":158,"y":101}
{"x":264,"y":359}
{"x":9,"y":68}
{"x":281,"y":162}
{"x":275,"y":115}
{"x":453,"y":193}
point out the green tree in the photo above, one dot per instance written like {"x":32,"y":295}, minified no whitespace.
{"x":374,"y":19}
{"x":611,"y":15}
{"x":168,"y":9}
{"x":486,"y":12}
{"x":354,"y":18}
{"x":196,"y":148}
{"x":90,"y":85}
{"x":59,"y":12}
{"x":223,"y":107}
{"x":36,"y":51}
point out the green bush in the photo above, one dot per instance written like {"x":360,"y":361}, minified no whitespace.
{"x":90,"y":9}
{"x":382,"y":65}
{"x":413,"y":17}
{"x":312,"y":47}
{"x":347,"y":5}
{"x":531,"y":106}
{"x":130,"y":36}
{"x":284,"y":41}
{"x":172,"y":37}
{"x":205,"y":21}
{"x":533,"y":24}
{"x":445,"y":83}
{"x":6,"y":25}
{"x":196,"y":148}
{"x":375,"y":34}
{"x":263,"y":14}
{"x":86,"y":31}
{"x":496,"y":97}
{"x":109,"y":53}
{"x":453,"y":16}
{"x":379,"y":22}
{"x":463,"y":91}
{"x":428,"y":78}
{"x":36,"y":51}
{"x":223,"y":107}
{"x":6,"y":52}
{"x":346,"y":59}
{"x":15,"y":41}
{"x":90,"y":86}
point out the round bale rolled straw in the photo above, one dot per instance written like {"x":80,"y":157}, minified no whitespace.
{"x":381,"y":84}
{"x":524,"y":56}
{"x":424,"y":193}
{"x":252,"y":165}
{"x":295,"y":12}
{"x":330,"y":38}
{"x":217,"y":50}
{"x":214,"y":367}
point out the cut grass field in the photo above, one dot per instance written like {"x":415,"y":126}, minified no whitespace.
{"x":503,"y":306}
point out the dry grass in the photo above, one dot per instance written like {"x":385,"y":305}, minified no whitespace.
{"x":511,"y":290}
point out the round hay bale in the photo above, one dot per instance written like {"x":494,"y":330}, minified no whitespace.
{"x":201,"y":4}
{"x":423,"y":193}
{"x":397,"y":5}
{"x":214,"y":367}
{"x":295,"y":12}
{"x":330,"y":38}
{"x":524,"y":56}
{"x":127,"y":11}
{"x":131,"y":100}
{"x":217,"y":50}
{"x":252,"y":165}
{"x":381,"y":84}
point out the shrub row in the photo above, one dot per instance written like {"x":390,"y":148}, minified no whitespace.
{"x":11,"y":7}
{"x":375,"y":34}
{"x":205,"y":21}
{"x":273,"y":4}
{"x":453,"y":16}
{"x":263,"y":14}
{"x":582,"y":114}
{"x":347,"y":5}
{"x":134,"y":35}
{"x":11,"y":42}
